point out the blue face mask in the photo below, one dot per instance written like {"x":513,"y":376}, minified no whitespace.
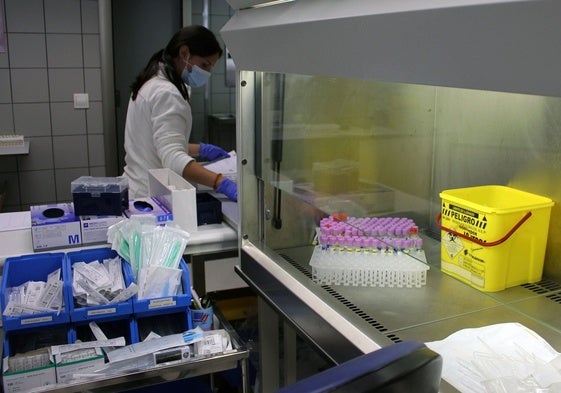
{"x":196,"y":78}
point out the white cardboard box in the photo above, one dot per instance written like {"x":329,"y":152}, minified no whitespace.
{"x":24,"y":381}
{"x":94,"y":228}
{"x":177,"y":195}
{"x":65,"y":371}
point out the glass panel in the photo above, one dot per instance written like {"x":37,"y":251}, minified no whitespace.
{"x":371,"y":149}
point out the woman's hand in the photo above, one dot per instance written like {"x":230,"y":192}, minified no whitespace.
{"x":211,"y":152}
{"x":228,"y":188}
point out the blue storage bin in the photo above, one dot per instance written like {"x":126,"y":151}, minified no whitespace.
{"x":28,"y":340}
{"x":113,"y":328}
{"x":34,"y":267}
{"x":103,"y":312}
{"x":163,"y":324}
{"x":168,"y":304}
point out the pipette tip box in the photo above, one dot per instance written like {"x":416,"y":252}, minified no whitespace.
{"x":100,"y":195}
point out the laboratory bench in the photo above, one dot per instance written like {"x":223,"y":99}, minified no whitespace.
{"x":210,"y":242}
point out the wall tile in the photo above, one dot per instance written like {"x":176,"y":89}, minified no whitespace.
{"x":62,"y":16}
{"x":67,"y":120}
{"x":197,"y":101}
{"x":198,"y":132}
{"x":64,"y":50}
{"x":29,"y":85}
{"x":64,"y":83}
{"x":4,"y":58}
{"x":6,"y":119}
{"x":40,"y":155}
{"x":232,"y":104}
{"x":220,"y":103}
{"x":32,"y":119}
{"x":11,"y":182}
{"x":24,"y":16}
{"x":8,"y":164}
{"x":218,"y":85}
{"x":92,"y":56}
{"x":96,"y":150}
{"x":6,"y":90}
{"x":37,"y":187}
{"x":64,"y":178}
{"x":27,"y":50}
{"x":98,"y":171}
{"x":197,"y":20}
{"x":93,"y":83}
{"x":220,"y":66}
{"x":217,"y":22}
{"x":90,"y":17}
{"x":70,"y":151}
{"x":94,"y":118}
{"x":219,"y":8}
{"x":197,"y":7}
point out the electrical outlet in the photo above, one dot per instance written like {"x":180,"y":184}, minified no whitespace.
{"x":81,"y":101}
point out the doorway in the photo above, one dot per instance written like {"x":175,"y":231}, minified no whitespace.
{"x":140,"y":28}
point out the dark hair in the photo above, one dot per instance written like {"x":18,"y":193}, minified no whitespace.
{"x":201,"y":42}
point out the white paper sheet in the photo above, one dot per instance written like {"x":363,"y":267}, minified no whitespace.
{"x":227,"y":166}
{"x":499,"y":358}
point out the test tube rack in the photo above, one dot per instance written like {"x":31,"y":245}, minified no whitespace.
{"x":376,"y":252}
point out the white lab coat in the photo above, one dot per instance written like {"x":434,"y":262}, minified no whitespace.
{"x":157,"y":133}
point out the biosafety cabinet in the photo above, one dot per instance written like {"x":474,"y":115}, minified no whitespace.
{"x":373,"y":109}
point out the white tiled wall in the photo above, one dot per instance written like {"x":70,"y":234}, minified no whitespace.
{"x":52,"y":53}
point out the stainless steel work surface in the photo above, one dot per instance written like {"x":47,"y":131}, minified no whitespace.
{"x":392,"y":311}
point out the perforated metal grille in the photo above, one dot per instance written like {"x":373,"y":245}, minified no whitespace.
{"x":543,"y":286}
{"x":343,"y":300}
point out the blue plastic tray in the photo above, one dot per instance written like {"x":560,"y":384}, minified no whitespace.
{"x":97,"y":313}
{"x":33,"y":267}
{"x":168,"y":304}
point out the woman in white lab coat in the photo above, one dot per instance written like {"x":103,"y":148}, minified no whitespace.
{"x":159,"y":117}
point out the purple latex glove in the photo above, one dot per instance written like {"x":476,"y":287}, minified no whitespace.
{"x":211,"y":152}
{"x":228,"y":188}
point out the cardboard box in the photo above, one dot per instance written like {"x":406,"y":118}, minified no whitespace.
{"x":94,"y":228}
{"x":149,"y":206}
{"x":26,"y":363}
{"x":24,"y":381}
{"x":65,"y":369}
{"x":177,"y":195}
{"x":54,"y":226}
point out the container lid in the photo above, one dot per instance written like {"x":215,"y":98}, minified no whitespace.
{"x":99,"y":184}
{"x":495,"y":198}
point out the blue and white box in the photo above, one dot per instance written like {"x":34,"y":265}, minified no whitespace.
{"x":54,"y":226}
{"x":94,"y":228}
{"x":149,"y":206}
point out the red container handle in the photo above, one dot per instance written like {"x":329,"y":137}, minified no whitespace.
{"x":477,"y":241}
